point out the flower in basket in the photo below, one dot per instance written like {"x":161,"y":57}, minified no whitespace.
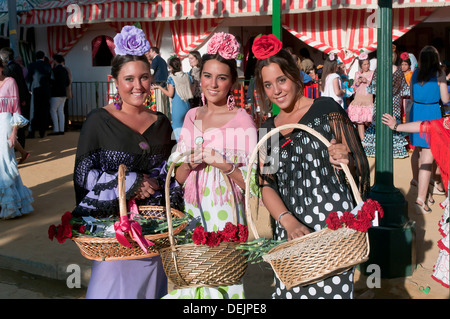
{"x":231,"y":233}
{"x":362,"y":221}
{"x":66,"y":229}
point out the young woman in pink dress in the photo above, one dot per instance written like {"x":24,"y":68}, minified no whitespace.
{"x":360,"y":110}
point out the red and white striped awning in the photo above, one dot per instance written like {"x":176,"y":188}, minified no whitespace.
{"x":347,"y":31}
{"x":96,"y":11}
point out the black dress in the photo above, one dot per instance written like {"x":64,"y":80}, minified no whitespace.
{"x":309,"y":185}
{"x":104,"y":144}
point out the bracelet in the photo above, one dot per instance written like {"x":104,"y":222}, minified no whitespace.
{"x":281,"y":215}
{"x":231,"y":170}
{"x":395,"y":127}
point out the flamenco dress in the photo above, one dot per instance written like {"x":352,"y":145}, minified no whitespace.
{"x":15,"y":198}
{"x":399,"y":142}
{"x":104,"y":144}
{"x":360,"y":109}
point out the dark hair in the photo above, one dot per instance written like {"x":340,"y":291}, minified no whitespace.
{"x":58,"y":58}
{"x":230,"y":62}
{"x":360,"y":62}
{"x":408,"y":60}
{"x":7,"y":52}
{"x":156,"y":49}
{"x":175,"y":63}
{"x":329,"y":67}
{"x":287,"y":65}
{"x":120,"y":60}
{"x":428,"y":64}
{"x":198,"y":56}
{"x":40,"y":55}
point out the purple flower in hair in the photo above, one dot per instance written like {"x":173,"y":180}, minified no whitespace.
{"x":131,"y":41}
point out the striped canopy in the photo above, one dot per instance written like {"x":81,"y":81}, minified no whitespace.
{"x":95,"y":11}
{"x":341,"y":26}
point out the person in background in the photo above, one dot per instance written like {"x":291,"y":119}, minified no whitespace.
{"x":14,"y":70}
{"x":15,"y":198}
{"x":399,"y":90}
{"x":331,"y":84}
{"x":360,"y":110}
{"x":428,"y":87}
{"x":160,"y":74}
{"x":437,"y":133}
{"x":38,"y":77}
{"x":300,"y":205}
{"x":195,"y":61}
{"x":125,"y":132}
{"x":59,"y":82}
{"x":69,"y":95}
{"x":178,"y":88}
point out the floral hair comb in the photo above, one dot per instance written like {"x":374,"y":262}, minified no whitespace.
{"x":266,"y":46}
{"x":363,"y":56}
{"x":131,"y":41}
{"x":225,"y":44}
{"x":404,"y":56}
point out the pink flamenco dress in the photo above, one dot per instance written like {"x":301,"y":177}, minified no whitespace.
{"x":360,"y":109}
{"x":15,"y":198}
{"x":437,"y":134}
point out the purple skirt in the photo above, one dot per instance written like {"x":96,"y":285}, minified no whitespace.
{"x":127,"y":279}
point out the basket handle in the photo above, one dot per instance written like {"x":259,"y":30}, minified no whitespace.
{"x":123,"y":210}
{"x":167,"y":196}
{"x":254,"y":154}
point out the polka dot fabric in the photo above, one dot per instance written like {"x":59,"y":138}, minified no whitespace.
{"x":311,"y":189}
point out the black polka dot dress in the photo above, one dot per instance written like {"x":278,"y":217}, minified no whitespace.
{"x":311,"y":189}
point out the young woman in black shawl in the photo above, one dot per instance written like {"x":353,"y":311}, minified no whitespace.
{"x":125,"y":132}
{"x":300,"y":178}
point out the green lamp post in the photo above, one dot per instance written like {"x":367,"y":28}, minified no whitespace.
{"x":391,"y":243}
{"x":277,"y":30}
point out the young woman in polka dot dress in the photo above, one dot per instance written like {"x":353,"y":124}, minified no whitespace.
{"x":300,"y":179}
{"x":223,"y":137}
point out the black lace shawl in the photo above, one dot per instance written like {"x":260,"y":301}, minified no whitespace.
{"x":104,"y":144}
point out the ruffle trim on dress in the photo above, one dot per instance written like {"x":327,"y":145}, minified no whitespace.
{"x":399,"y":143}
{"x":15,"y":200}
{"x":360,"y":113}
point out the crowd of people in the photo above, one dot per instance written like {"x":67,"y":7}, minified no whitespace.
{"x":196,"y":111}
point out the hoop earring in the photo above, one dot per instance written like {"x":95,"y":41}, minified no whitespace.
{"x":231,"y":103}
{"x":117,"y":100}
{"x":203,"y":99}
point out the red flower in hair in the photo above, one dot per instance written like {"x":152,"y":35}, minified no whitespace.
{"x":404,"y":56}
{"x":265,"y":46}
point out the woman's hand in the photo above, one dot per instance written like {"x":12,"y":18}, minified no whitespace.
{"x":148,"y":187}
{"x":389,"y":120}
{"x":293,"y":227}
{"x":12,"y":139}
{"x":338,"y":154}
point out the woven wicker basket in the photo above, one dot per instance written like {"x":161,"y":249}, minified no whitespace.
{"x":318,"y":255}
{"x":191,"y":265}
{"x":99,"y":248}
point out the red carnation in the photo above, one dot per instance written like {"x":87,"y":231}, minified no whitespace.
{"x":348,"y":219}
{"x":230,"y":232}
{"x":198,"y":236}
{"x":65,"y":219}
{"x":265,"y":46}
{"x":51,"y":232}
{"x":213,"y":239}
{"x":243,"y":233}
{"x":333,"y":221}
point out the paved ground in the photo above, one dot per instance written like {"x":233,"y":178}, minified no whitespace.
{"x":26,"y":249}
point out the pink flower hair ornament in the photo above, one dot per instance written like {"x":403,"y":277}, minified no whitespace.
{"x":404,"y":56}
{"x":363,"y":56}
{"x":331,"y":57}
{"x":225,"y":44}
